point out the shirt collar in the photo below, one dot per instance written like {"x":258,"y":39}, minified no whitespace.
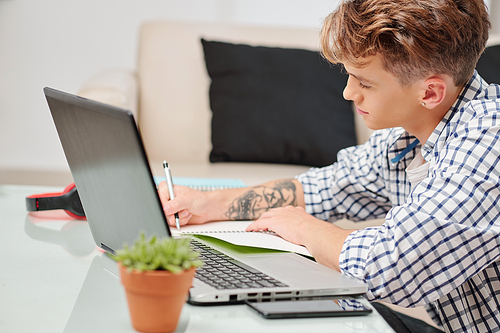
{"x":404,"y":142}
{"x":469,"y":92}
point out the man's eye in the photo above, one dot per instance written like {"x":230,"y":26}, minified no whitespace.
{"x":364,"y":86}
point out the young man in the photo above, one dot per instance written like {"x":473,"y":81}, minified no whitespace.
{"x":431,"y":168}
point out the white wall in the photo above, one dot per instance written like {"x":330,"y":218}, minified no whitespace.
{"x":61,"y":43}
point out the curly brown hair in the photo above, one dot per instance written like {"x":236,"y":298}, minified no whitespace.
{"x":416,"y":38}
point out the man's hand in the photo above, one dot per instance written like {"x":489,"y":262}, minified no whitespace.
{"x":192,"y":206}
{"x":323,"y":239}
{"x":289,"y":222}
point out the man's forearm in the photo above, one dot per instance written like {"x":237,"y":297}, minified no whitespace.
{"x":251,"y":202}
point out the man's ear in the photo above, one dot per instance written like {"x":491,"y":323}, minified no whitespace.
{"x":434,"y":91}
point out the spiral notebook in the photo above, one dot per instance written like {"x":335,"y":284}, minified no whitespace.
{"x":234,"y":233}
{"x":230,"y":231}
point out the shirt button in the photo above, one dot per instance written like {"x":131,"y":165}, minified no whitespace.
{"x":427,"y":148}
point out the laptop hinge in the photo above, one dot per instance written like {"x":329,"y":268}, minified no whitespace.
{"x":107,"y":249}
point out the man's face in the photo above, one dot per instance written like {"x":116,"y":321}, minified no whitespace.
{"x":379,"y":97}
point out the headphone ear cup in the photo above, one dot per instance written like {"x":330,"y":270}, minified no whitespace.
{"x":69,"y":200}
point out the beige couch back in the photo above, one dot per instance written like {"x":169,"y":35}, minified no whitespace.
{"x":174,"y":112}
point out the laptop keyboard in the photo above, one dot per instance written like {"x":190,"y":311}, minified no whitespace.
{"x":223,"y":272}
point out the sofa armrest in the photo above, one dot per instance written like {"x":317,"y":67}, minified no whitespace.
{"x":494,"y":39}
{"x":117,"y":87}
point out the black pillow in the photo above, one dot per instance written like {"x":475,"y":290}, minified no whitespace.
{"x":488,"y":65}
{"x":276,"y":105}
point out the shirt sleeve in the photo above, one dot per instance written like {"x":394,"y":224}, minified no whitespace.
{"x":445,"y":233}
{"x":352,"y":187}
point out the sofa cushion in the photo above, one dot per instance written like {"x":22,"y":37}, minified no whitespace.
{"x":276,"y":105}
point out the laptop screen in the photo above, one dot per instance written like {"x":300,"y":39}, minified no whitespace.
{"x":109,"y":165}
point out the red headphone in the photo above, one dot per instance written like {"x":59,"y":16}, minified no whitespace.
{"x":69,"y":200}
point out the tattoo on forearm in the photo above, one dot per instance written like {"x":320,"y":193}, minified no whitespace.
{"x":260,"y":199}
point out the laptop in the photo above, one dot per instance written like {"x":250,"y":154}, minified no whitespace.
{"x":111,"y":171}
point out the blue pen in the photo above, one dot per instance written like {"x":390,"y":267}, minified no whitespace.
{"x":170,"y":185}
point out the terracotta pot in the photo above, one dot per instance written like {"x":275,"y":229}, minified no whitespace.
{"x":155,"y":298}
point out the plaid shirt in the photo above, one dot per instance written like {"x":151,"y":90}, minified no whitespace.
{"x":440,"y":243}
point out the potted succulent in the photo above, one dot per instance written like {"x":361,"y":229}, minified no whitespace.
{"x":157,"y":274}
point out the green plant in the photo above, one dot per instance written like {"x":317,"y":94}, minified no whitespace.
{"x":169,"y":254}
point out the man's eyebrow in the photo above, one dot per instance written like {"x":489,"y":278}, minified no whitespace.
{"x":359,"y":78}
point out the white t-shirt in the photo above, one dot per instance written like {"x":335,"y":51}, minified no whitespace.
{"x":417,"y":170}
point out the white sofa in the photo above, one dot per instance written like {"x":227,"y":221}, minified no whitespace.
{"x":168,"y":93}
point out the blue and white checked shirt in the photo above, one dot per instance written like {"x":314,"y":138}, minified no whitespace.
{"x":440,"y":243}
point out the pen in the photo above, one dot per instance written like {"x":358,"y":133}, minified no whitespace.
{"x":170,"y":185}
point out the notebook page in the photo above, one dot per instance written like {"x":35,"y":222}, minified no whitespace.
{"x":234,"y":232}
